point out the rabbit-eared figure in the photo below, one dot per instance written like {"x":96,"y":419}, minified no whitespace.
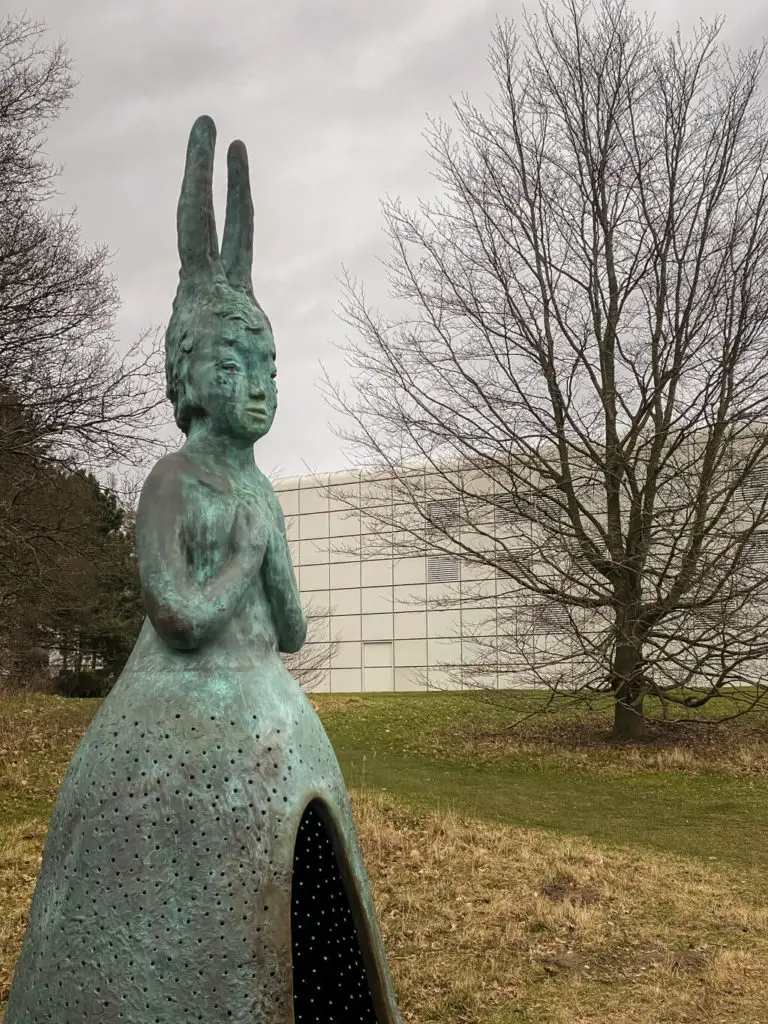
{"x":201,"y":862}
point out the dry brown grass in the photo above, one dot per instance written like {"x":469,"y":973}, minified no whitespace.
{"x":494,"y":925}
{"x":20,"y":851}
{"x":489,"y":924}
{"x":38,"y":735}
{"x":732,"y":748}
{"x":31,"y":722}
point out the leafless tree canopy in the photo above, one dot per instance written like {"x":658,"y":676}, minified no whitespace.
{"x":588,"y":330}
{"x":57,"y":299}
{"x":69,"y":399}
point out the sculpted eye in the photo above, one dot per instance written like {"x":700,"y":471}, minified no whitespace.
{"x":230,"y":366}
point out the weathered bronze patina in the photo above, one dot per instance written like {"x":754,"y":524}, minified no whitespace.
{"x":202,"y":863}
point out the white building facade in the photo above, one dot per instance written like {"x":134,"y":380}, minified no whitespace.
{"x":436,"y":605}
{"x":390,"y":623}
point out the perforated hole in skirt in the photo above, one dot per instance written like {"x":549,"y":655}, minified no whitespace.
{"x":329,"y":979}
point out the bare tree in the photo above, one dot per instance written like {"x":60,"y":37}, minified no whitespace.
{"x":310,"y":666}
{"x":68,"y":398}
{"x":58,"y":358}
{"x":581,"y":367}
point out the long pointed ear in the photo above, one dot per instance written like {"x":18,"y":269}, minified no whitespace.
{"x":237,"y":243}
{"x":195,"y":221}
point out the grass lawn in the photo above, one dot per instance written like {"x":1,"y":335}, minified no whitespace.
{"x":676,"y":795}
{"x":542,"y":875}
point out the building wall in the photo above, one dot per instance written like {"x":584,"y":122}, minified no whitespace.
{"x":380,"y":610}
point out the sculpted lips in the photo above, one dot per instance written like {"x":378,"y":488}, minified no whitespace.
{"x":259,"y":412}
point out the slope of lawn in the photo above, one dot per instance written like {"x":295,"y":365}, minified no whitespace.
{"x":542,"y":875}
{"x":691,"y":790}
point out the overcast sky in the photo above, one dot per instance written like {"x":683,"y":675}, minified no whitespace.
{"x":331,"y":98}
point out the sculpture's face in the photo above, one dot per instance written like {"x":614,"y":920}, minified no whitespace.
{"x":233,"y":374}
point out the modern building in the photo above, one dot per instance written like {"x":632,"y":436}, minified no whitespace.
{"x":395,"y":603}
{"x":393,"y":621}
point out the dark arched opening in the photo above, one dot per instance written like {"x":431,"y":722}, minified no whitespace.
{"x":330,"y":985}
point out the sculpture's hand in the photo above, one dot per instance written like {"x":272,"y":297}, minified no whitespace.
{"x":186,"y":609}
{"x":249,"y":538}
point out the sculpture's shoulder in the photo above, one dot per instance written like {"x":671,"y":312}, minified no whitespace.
{"x":168,"y":469}
{"x":263,"y":481}
{"x":181,"y":510}
{"x":162,"y":480}
{"x":176,"y":472}
{"x":270,"y":495}
{"x":162,"y":503}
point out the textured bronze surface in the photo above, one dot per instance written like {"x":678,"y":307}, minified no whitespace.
{"x":202,"y":863}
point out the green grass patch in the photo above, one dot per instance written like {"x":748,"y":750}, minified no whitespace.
{"x":431,"y":750}
{"x":707,"y":817}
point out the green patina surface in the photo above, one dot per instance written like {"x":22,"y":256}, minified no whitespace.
{"x":201,"y":862}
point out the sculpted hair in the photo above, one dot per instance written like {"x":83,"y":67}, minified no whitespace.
{"x":178,"y":349}
{"x":180,"y":336}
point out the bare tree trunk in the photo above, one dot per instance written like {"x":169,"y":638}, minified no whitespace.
{"x":78,"y":660}
{"x":627,"y":686}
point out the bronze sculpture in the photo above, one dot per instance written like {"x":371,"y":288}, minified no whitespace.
{"x":201,"y":862}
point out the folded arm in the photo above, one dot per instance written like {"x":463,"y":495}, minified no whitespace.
{"x":282,"y":589}
{"x":185,"y":612}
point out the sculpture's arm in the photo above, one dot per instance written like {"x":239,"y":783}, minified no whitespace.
{"x":184,"y":612}
{"x":281,"y":587}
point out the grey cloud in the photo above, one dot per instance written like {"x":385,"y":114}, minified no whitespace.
{"x":331,"y":99}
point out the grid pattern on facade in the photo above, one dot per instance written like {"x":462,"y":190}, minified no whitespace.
{"x":506,"y":510}
{"x":444,"y":513}
{"x":399,"y":611}
{"x":394,"y":620}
